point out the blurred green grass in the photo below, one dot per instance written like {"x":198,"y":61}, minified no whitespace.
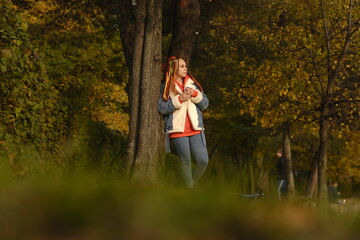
{"x":87,"y":205}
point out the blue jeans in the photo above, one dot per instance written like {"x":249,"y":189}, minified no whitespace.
{"x":184,"y":148}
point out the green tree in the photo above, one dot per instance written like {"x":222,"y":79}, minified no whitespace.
{"x":314,"y":48}
{"x":31,"y":117}
{"x":79,"y":46}
{"x":271,"y":64}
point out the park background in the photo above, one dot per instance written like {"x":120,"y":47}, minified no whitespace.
{"x":79,"y":86}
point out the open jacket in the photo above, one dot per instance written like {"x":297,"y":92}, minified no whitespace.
{"x":175,"y":111}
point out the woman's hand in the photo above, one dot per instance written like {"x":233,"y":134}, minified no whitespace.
{"x":189,"y":90}
{"x":185,"y":96}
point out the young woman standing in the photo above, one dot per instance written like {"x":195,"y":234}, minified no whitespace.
{"x":182,"y":102}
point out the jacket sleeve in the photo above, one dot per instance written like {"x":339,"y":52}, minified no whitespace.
{"x":201,"y":100}
{"x":168,"y":107}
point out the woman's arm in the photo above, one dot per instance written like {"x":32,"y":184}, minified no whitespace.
{"x":199,"y":98}
{"x":168,"y":107}
{"x":165,"y":107}
{"x":201,"y":101}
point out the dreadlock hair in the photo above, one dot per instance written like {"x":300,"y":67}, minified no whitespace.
{"x":170,"y":68}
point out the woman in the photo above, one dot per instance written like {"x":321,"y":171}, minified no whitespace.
{"x":181,"y":102}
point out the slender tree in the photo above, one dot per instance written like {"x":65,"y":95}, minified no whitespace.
{"x":312,"y":184}
{"x":290,"y":184}
{"x":334,"y":65}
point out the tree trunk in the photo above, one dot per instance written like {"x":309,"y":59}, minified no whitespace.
{"x":127,"y":22}
{"x":333,"y":71}
{"x":241,"y":165}
{"x":141,"y":41}
{"x":262,"y":185}
{"x":312,"y":185}
{"x":251,"y":176}
{"x":265,"y":182}
{"x":290,"y":185}
{"x":148,"y":142}
{"x":184,"y":31}
{"x":323,"y":149}
{"x":134,"y":83}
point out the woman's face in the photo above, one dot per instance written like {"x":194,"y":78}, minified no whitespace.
{"x":182,"y":70}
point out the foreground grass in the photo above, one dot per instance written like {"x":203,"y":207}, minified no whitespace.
{"x":80,"y":206}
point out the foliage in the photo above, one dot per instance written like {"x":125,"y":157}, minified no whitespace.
{"x":31,"y":117}
{"x":260,"y":62}
{"x":267,"y":60}
{"x":85,"y":71}
{"x":346,"y":156}
{"x":84,"y":58}
{"x":227,"y":48}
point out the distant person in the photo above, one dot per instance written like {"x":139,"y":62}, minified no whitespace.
{"x":181,"y":102}
{"x":281,"y":173}
{"x":334,"y":194}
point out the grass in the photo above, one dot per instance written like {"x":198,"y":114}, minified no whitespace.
{"x":86,"y":205}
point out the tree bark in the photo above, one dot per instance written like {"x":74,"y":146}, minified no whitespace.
{"x":290,"y":185}
{"x":323,"y":149}
{"x":312,"y":184}
{"x":149,"y":138}
{"x":141,"y":38}
{"x":134,"y":84}
{"x":127,"y":24}
{"x":184,"y":31}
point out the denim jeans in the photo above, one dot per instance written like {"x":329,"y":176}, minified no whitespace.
{"x":185,"y":148}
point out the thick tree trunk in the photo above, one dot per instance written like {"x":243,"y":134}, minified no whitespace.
{"x":149,"y":138}
{"x":184,"y":31}
{"x":142,"y":48}
{"x":290,"y":185}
